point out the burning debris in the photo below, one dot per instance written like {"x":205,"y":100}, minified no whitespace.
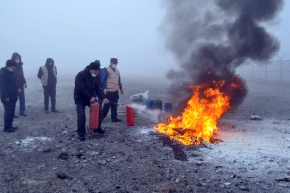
{"x":199,"y":119}
{"x":210,"y":39}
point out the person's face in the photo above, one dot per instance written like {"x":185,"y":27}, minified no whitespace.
{"x":95,"y":71}
{"x":114,"y":65}
{"x":11,"y":68}
{"x":50,"y":63}
{"x":17,"y":58}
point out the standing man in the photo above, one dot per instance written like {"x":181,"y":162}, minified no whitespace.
{"x":48,"y":76}
{"x":20,"y":81}
{"x":111,"y":81}
{"x":87,"y":86}
{"x":8,"y":91}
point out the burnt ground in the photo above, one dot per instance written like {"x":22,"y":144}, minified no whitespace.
{"x":43,"y":155}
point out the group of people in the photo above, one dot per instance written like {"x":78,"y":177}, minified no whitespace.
{"x":92,"y":85}
{"x":12,"y":85}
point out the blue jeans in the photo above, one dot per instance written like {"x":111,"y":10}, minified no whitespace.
{"x":9,"y":110}
{"x":21,"y":97}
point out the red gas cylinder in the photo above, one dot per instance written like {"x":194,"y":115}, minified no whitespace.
{"x":130,"y":115}
{"x":94,"y":115}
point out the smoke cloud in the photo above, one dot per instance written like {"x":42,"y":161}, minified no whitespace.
{"x":216,"y":36}
{"x":154,"y":115}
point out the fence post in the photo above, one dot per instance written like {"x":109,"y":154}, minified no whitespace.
{"x":253,"y":69}
{"x":281,"y":67}
{"x":242,"y":69}
{"x":266,"y":72}
{"x":281,"y":71}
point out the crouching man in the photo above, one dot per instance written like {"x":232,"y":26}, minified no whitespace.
{"x":87,"y":86}
{"x":9,"y":92}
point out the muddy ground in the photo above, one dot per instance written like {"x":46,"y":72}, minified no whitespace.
{"x":44,"y":155}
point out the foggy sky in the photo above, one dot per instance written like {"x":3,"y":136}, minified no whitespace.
{"x":75,"y":33}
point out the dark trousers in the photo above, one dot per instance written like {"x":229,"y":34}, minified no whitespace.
{"x":49,"y":91}
{"x":113,"y":97}
{"x":81,"y":120}
{"x":9,"y":110}
{"x":21,"y":97}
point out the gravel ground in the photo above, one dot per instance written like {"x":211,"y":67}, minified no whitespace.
{"x":44,"y":155}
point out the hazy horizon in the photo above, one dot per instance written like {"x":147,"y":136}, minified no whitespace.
{"x":76,"y":33}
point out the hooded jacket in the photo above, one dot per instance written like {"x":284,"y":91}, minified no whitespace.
{"x":87,"y":87}
{"x":48,"y":74}
{"x":8,"y":86}
{"x":18,"y":72}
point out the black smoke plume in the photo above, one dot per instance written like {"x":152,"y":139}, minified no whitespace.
{"x":211,"y":38}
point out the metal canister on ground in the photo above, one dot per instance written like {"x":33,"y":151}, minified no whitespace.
{"x":158,"y":104}
{"x":149,"y":103}
{"x":130,"y":115}
{"x":168,"y":107}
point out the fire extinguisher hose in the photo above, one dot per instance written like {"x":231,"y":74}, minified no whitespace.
{"x":119,"y":104}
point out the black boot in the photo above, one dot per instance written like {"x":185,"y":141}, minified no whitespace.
{"x":100,"y":130}
{"x":117,"y":120}
{"x":9,"y":130}
{"x":81,"y":137}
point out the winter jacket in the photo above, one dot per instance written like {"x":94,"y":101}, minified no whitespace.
{"x":48,"y":74}
{"x":18,"y":72}
{"x":87,"y":87}
{"x":8,"y":86}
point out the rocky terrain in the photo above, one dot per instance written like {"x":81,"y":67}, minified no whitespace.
{"x":44,"y":154}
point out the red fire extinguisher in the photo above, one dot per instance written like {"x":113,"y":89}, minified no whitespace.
{"x":130,"y":115}
{"x":94,"y":116}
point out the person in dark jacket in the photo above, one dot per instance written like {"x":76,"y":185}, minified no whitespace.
{"x":8,"y":91}
{"x":87,"y":86}
{"x":48,"y":76}
{"x":20,"y":81}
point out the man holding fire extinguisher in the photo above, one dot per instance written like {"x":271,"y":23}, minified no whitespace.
{"x":87,"y":84}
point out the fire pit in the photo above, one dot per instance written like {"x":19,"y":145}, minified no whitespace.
{"x":209,"y":101}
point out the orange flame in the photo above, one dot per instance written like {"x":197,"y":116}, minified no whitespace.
{"x":199,"y":119}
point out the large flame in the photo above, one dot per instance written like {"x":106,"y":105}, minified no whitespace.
{"x":198,"y":121}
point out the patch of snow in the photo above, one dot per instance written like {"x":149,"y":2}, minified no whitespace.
{"x":146,"y":130}
{"x":30,"y":143}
